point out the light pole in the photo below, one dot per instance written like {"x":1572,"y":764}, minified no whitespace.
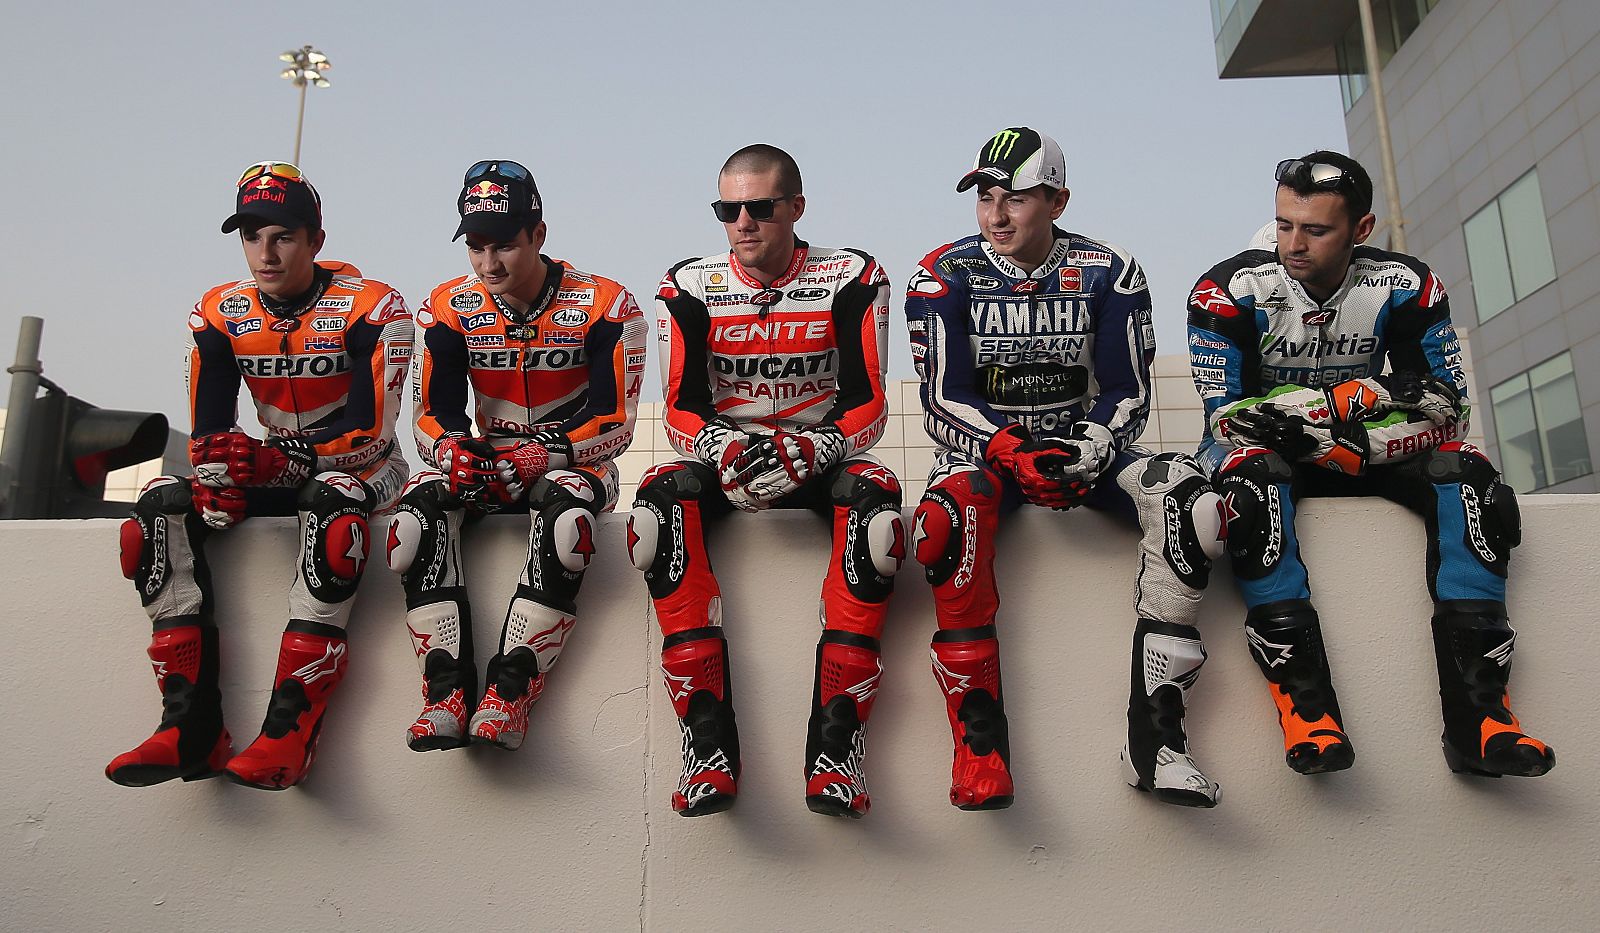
{"x":306,"y":66}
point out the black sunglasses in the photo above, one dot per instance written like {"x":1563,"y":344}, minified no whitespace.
{"x":759,"y":208}
{"x":1302,"y":174}
{"x":496,"y":168}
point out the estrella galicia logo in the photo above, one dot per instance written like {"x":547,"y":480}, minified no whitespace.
{"x":808,"y":294}
{"x":475,"y":321}
{"x":982,"y":283}
{"x":467,"y":301}
{"x":234,"y":306}
{"x":240,"y":328}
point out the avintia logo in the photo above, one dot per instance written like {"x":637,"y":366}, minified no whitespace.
{"x":1314,"y":347}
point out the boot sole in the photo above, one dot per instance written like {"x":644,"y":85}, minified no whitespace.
{"x":1336,"y":758}
{"x":151,"y":775}
{"x":705,"y":806}
{"x":832,"y":806}
{"x":1000,"y":802}
{"x":1461,"y":764}
{"x":435,"y":743}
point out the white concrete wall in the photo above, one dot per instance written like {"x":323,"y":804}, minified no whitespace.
{"x":574,"y":832}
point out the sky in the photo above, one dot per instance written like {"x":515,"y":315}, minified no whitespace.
{"x":126,"y":125}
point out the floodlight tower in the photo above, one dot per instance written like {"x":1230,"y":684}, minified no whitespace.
{"x":306,"y":66}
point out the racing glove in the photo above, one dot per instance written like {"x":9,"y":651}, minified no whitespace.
{"x":233,"y":458}
{"x":521,"y":466}
{"x":1422,"y":393}
{"x":1340,"y":446}
{"x":788,"y":460}
{"x":468,"y":464}
{"x":1090,"y":443}
{"x":737,"y":457}
{"x":1039,"y":467}
{"x":219,"y":508}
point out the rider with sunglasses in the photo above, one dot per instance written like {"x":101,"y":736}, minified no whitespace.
{"x":1287,"y":348}
{"x":323,"y":353}
{"x":773,"y":355}
{"x":1034,"y":346}
{"x":554,"y":358}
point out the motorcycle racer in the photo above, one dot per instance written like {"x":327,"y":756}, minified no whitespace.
{"x":1034,"y":346}
{"x":1287,"y":348}
{"x":555,"y":359}
{"x":772,"y":357}
{"x":323,"y":353}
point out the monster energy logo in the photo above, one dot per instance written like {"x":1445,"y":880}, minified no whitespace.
{"x":1000,"y":146}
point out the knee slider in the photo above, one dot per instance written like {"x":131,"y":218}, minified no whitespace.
{"x":945,"y":533}
{"x":658,"y":508}
{"x":1249,"y":483}
{"x":568,"y":531}
{"x":564,"y":484}
{"x":423,"y":505}
{"x":334,"y":509}
{"x":872,"y":494}
{"x":161,"y":498}
{"x":1490,"y":505}
{"x":1191,"y":511}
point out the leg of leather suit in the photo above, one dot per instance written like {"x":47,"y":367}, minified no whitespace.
{"x":953,"y":537}
{"x":666,"y":540}
{"x":163,"y":554}
{"x":313,"y":656}
{"x":869,"y":545}
{"x":543,"y":611}
{"x":1182,"y":533}
{"x":424,"y":547}
{"x":1473,"y":523}
{"x":1281,"y":626}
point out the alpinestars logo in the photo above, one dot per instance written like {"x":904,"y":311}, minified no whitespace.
{"x":969,"y":546}
{"x":1175,"y":555}
{"x":547,"y":644}
{"x":675,"y":566}
{"x":1272,"y":654}
{"x":1502,"y":654}
{"x":325,"y":666}
{"x":1269,"y":555}
{"x":678,"y":688}
{"x":1480,"y":544}
{"x":157,"y":577}
{"x":1001,"y":145}
{"x":868,"y":688}
{"x":949,"y":681}
{"x":419,"y":641}
{"x":161,"y":674}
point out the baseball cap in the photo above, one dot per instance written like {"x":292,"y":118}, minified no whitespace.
{"x":1018,"y":158}
{"x":275,"y":193}
{"x":498,"y":198}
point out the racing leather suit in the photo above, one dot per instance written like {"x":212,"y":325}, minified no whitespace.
{"x":1065,"y":348}
{"x":325,"y":372}
{"x":1254,"y":330}
{"x":563,"y":376}
{"x":803,"y":355}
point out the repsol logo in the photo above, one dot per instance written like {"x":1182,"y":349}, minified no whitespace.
{"x":525,"y":359}
{"x":279,"y":367}
{"x":775,"y":367}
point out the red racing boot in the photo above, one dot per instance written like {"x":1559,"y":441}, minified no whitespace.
{"x":966,"y":663}
{"x":1473,"y":644}
{"x":515,"y":684}
{"x":311,"y":663}
{"x":190,"y":743}
{"x":848,"y":669}
{"x":694,"y":666}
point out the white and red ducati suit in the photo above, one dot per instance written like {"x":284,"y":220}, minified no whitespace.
{"x":325,"y":372}
{"x":802,"y":355}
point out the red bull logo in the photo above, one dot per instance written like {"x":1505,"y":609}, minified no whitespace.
{"x":487,"y":189}
{"x":486,"y":196}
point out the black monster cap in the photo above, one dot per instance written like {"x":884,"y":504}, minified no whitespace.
{"x":1018,"y":158}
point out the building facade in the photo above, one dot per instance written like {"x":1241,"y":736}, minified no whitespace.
{"x":1494,"y":115}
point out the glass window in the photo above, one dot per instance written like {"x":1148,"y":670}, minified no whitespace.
{"x":1393,"y":21}
{"x":1542,"y":438}
{"x":1508,"y":248}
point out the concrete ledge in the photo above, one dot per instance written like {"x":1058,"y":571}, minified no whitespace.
{"x":575,"y":831}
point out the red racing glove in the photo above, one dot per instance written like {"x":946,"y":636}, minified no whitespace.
{"x":1041,"y":468}
{"x":521,"y":466}
{"x":232,"y":458}
{"x":218,"y":508}
{"x":468,"y":464}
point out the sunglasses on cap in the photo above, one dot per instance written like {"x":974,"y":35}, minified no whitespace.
{"x":759,"y":208}
{"x":1300,"y":173}
{"x":284,"y":170}
{"x":495,"y":168}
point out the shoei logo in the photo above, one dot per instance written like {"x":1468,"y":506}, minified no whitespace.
{"x":1001,"y":145}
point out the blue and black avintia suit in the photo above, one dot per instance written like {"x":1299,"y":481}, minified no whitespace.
{"x":1065,"y":345}
{"x":1253,"y":329}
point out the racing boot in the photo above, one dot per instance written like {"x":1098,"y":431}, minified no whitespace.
{"x":311,"y":662}
{"x":190,"y":743}
{"x":441,"y":634}
{"x":966,"y":664}
{"x":1285,"y":638}
{"x":1473,"y":645}
{"x":514,"y":686}
{"x":694,"y":666}
{"x":848,"y":668}
{"x":1166,"y":663}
